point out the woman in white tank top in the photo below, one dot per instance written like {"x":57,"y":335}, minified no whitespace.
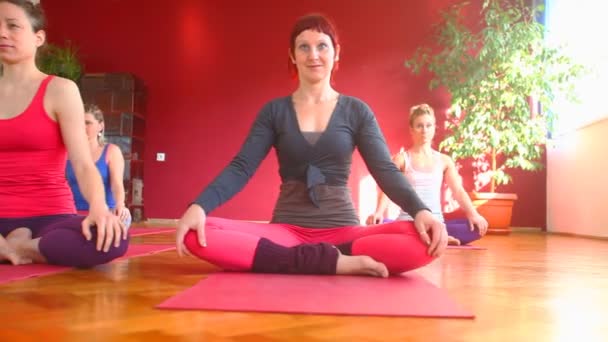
{"x":426,"y":169}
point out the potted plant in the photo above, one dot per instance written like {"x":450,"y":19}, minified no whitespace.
{"x":498,"y":73}
{"x":61,"y":61}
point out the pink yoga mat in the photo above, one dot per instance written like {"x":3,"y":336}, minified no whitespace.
{"x":467,"y":247}
{"x":10,"y":273}
{"x":138,"y":231}
{"x":407,"y":295}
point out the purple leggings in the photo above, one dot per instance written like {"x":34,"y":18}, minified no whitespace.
{"x":62,"y":242}
{"x":459,"y":229}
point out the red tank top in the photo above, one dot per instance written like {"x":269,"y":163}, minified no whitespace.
{"x":32,"y":164}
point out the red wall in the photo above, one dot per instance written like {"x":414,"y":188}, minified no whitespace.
{"x":210,"y":65}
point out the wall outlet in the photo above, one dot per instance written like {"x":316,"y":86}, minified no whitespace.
{"x":160,"y":156}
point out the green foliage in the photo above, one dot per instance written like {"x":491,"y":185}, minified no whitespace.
{"x":60,"y":61}
{"x":491,"y":74}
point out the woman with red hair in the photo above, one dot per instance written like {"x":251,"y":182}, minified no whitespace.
{"x":314,"y":227}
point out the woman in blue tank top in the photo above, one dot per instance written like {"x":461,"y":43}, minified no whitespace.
{"x":110,"y":163}
{"x":426,"y":169}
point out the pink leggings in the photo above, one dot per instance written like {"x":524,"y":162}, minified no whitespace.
{"x":236,"y":245}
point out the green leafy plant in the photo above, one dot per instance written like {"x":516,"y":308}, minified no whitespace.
{"x":60,"y":61}
{"x":494,"y":71}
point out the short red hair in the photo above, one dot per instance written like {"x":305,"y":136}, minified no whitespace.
{"x":315,"y":22}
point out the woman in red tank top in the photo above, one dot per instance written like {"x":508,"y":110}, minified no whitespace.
{"x":41,"y":121}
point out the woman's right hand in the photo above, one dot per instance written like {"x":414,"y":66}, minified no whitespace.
{"x":374,"y":219}
{"x":122,"y":212}
{"x":193,"y":218}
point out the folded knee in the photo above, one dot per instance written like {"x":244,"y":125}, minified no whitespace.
{"x":400,"y":227}
{"x":191,"y":241}
{"x":399,"y":252}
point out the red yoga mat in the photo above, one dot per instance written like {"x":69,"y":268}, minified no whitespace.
{"x":139,"y":231}
{"x":10,"y":273}
{"x":406,"y":295}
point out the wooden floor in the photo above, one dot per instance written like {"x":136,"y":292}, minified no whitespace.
{"x":528,"y":286}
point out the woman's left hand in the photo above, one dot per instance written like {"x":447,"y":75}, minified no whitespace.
{"x":479,"y":222}
{"x":427,"y":224}
{"x":109,"y":227}
{"x":122,"y":212}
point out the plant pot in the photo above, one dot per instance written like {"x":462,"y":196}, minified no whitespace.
{"x":497,"y":208}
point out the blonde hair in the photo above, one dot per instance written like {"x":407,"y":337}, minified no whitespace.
{"x":98,"y":115}
{"x":419,"y":110}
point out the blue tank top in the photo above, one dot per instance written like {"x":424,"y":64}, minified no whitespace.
{"x":104,"y":170}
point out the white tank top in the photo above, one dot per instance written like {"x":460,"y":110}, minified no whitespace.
{"x":427,"y":185}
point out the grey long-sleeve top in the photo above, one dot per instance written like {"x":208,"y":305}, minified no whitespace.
{"x":352,"y":124}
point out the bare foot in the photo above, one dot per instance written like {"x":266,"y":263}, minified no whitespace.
{"x":17,"y":240}
{"x":452,"y":241}
{"x":361,"y":265}
{"x":7,"y":252}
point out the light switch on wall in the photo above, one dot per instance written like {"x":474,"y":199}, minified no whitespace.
{"x":160,"y":156}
